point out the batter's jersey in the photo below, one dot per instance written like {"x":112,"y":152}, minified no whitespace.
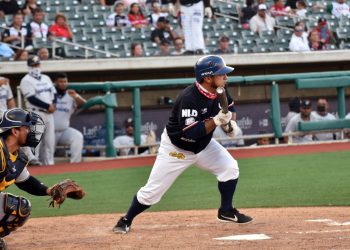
{"x":192,"y":108}
{"x":42,"y":89}
{"x":12,"y":167}
{"x":5,"y":95}
{"x":65,"y":107}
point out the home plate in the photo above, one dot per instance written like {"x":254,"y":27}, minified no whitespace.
{"x":245,"y":237}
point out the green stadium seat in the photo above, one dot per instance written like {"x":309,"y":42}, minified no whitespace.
{"x":267,"y":34}
{"x":247,"y":34}
{"x":285,"y":21}
{"x":331,"y":47}
{"x":261,"y":49}
{"x":279,"y":48}
{"x":343,"y":33}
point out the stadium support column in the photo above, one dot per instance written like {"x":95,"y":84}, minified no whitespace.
{"x":137,"y":116}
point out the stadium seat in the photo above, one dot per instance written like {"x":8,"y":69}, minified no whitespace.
{"x":78,"y":23}
{"x":279,"y":48}
{"x":263,"y":42}
{"x":267,"y":34}
{"x":284,"y":21}
{"x":247,"y":34}
{"x":331,"y":47}
{"x":261,"y":49}
{"x":284,"y":33}
{"x":41,"y":43}
{"x":343,"y":34}
{"x":244,"y":49}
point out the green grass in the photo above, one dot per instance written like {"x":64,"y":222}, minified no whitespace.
{"x":296,"y":180}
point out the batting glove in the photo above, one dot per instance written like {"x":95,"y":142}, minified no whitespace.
{"x":171,"y":9}
{"x":208,"y":12}
{"x":221,"y":118}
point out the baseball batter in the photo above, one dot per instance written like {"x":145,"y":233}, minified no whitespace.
{"x":40,"y":97}
{"x":192,"y":23}
{"x":187,"y":140}
{"x":6,"y":97}
{"x":67,"y":102}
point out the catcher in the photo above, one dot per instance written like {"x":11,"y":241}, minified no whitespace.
{"x":19,"y":128}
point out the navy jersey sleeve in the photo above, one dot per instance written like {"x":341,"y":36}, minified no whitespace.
{"x":231,"y":105}
{"x":189,"y":119}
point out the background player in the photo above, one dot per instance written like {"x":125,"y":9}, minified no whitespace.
{"x":187,"y":140}
{"x":40,"y":97}
{"x":67,"y":102}
{"x":192,"y":23}
{"x":6,"y":97}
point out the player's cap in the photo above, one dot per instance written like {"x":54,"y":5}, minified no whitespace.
{"x":305,"y":103}
{"x":162,"y":19}
{"x":224,"y":39}
{"x":262,"y":7}
{"x":129,"y":122}
{"x":33,"y":61}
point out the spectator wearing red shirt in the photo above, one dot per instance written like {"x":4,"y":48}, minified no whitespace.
{"x":61,"y":28}
{"x":136,"y":17}
{"x":326,"y":35}
{"x":278,"y":9}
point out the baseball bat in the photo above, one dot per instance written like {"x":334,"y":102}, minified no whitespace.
{"x":224,"y":105}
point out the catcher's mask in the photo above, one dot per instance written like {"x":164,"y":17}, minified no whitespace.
{"x":15,"y":118}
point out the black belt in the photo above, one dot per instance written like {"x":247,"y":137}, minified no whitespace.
{"x":39,"y":109}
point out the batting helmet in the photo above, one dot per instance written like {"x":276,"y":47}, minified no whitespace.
{"x":211,"y":66}
{"x":33,"y":61}
{"x":16,"y":117}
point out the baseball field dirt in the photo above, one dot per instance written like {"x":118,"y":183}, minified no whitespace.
{"x":285,"y":228}
{"x":272,"y":228}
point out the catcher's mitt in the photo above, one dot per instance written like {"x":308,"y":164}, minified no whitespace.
{"x":66,"y":188}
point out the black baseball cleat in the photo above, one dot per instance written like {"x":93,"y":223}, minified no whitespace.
{"x":3,"y":244}
{"x":123,"y":226}
{"x":233,"y":216}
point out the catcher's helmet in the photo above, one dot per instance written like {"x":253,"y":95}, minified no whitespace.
{"x":16,"y":117}
{"x":33,"y":61}
{"x":210,"y":66}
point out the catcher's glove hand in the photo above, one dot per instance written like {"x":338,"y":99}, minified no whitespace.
{"x":66,"y":188}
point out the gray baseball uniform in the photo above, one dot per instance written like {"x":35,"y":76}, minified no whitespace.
{"x":65,"y":135}
{"x":292,"y":126}
{"x":5,"y":95}
{"x":323,"y":136}
{"x":44,"y":90}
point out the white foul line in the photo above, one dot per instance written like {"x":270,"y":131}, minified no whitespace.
{"x":245,"y":237}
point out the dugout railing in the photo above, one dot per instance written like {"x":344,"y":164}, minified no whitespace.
{"x":332,"y":79}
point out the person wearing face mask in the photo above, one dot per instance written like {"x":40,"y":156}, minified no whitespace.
{"x":322,"y":114}
{"x":40,"y":97}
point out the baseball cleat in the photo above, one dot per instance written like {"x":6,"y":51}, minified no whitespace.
{"x":233,"y":216}
{"x":123,"y":226}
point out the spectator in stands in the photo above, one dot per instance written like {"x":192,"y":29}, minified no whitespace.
{"x":128,"y":140}
{"x":339,"y":8}
{"x":278,"y":9}
{"x":301,"y":10}
{"x":61,"y":27}
{"x":299,"y":41}
{"x":247,"y":13}
{"x":118,"y":18}
{"x":8,"y":7}
{"x":6,"y":51}
{"x":224,"y":46}
{"x":43,"y":54}
{"x":156,"y":13}
{"x":292,"y":125}
{"x":326,"y":35}
{"x":6,"y":97}
{"x":136,"y":17}
{"x":164,"y":48}
{"x":136,"y":50}
{"x":21,"y":55}
{"x":262,"y":21}
{"x":37,"y":28}
{"x":14,"y":34}
{"x":294,"y":109}
{"x":322,"y":114}
{"x":68,"y":101}
{"x":29,"y":6}
{"x":107,"y":2}
{"x":178,"y":46}
{"x":163,"y":31}
{"x":262,"y":141}
{"x":314,"y":41}
{"x":219,"y":133}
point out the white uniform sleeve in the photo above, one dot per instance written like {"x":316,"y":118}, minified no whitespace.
{"x":9,"y":92}
{"x":23,"y":176}
{"x":27,"y":87}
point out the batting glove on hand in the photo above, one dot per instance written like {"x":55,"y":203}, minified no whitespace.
{"x":233,"y":132}
{"x":171,"y":9}
{"x":208,"y":12}
{"x":221,"y":118}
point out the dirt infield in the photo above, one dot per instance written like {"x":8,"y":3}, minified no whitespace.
{"x":283,"y":228}
{"x":287,"y":228}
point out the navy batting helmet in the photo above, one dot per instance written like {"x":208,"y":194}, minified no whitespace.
{"x":210,"y":66}
{"x":16,"y":117}
{"x":33,"y":61}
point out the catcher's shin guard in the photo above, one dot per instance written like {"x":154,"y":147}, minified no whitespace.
{"x":16,"y":212}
